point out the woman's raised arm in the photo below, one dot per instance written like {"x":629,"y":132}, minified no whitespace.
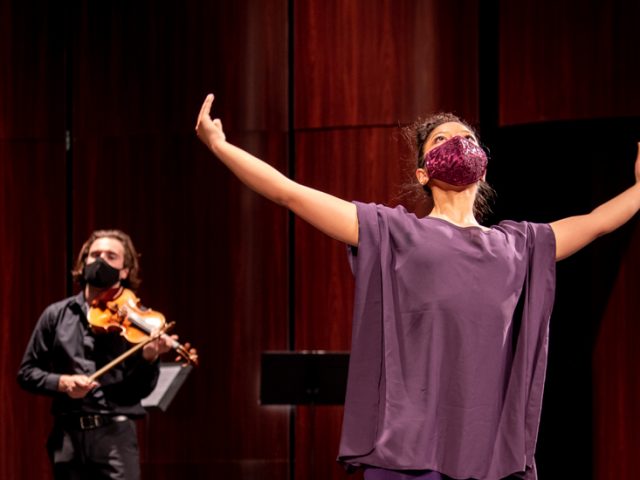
{"x":331,"y":215}
{"x":573,"y":233}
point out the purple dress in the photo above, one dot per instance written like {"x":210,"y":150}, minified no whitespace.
{"x":449,"y":345}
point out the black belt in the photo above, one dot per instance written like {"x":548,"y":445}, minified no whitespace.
{"x":89,"y":422}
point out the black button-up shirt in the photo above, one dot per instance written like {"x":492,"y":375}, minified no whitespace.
{"x":64,"y":343}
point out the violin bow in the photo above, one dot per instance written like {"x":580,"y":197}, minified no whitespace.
{"x":131,"y":351}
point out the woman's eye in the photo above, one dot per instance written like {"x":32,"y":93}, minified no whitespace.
{"x":439,"y":138}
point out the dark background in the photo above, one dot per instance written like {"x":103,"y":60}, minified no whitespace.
{"x":318,"y":88}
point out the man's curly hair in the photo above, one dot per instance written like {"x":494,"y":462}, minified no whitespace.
{"x":131,"y":262}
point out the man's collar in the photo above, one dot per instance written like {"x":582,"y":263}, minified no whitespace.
{"x":80,"y":302}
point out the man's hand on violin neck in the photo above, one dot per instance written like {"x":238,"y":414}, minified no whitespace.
{"x":157,"y":347}
{"x":76,"y":386}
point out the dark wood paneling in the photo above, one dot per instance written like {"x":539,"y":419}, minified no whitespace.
{"x":568,"y":60}
{"x":317,"y":434}
{"x":367,"y":164}
{"x":214,"y":253}
{"x":32,"y":241}
{"x":214,"y":260}
{"x":362,"y":64}
{"x":32,"y":70}
{"x":364,"y":164}
{"x":32,"y":215}
{"x":543,"y":184}
{"x":380,"y":63}
{"x":145,"y":67}
{"x":215,"y":256}
{"x":616,"y":369}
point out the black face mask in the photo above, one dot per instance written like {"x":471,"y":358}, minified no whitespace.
{"x":100,"y":274}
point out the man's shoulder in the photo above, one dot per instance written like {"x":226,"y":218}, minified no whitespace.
{"x":73,"y":302}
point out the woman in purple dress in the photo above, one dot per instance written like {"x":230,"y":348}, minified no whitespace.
{"x":451,"y":318}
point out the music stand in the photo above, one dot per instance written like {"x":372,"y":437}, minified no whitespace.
{"x":313,"y":377}
{"x":172,"y":376}
{"x":310,"y":378}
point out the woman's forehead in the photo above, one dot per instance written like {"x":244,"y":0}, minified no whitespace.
{"x":453,"y":128}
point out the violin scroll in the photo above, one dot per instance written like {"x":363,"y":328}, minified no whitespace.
{"x":184,"y":351}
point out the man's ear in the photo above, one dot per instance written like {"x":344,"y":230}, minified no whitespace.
{"x":422,"y":176}
{"x":124,"y":273}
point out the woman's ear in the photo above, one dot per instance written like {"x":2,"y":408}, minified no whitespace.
{"x":422,"y":176}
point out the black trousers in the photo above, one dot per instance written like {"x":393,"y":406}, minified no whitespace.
{"x":106,"y":452}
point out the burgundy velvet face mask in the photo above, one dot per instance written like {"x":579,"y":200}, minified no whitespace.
{"x":458,"y":161}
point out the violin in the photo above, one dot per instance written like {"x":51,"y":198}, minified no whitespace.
{"x":120,"y":311}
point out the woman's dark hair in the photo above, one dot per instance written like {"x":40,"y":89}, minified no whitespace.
{"x":417,"y":135}
{"x":133,"y":280}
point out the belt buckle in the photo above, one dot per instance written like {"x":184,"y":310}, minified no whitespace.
{"x":89,"y":422}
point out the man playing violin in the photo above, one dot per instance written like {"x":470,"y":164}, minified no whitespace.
{"x":94,"y":435}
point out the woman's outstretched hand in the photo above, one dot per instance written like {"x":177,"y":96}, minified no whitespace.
{"x":331,"y":215}
{"x":209,"y":130}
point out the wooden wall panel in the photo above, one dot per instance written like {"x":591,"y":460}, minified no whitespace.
{"x":567,"y":60}
{"x":571,"y":179}
{"x":214,"y":260}
{"x":160,"y":60}
{"x":380,"y":63}
{"x":32,"y":215}
{"x":32,"y":240}
{"x":317,"y":438}
{"x":32,"y":71}
{"x":215,"y":254}
{"x":360,"y":70}
{"x":365,"y":164}
{"x":616,"y":369}
{"x":358,"y":163}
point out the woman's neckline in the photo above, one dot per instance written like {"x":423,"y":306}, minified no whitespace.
{"x":461,"y":227}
